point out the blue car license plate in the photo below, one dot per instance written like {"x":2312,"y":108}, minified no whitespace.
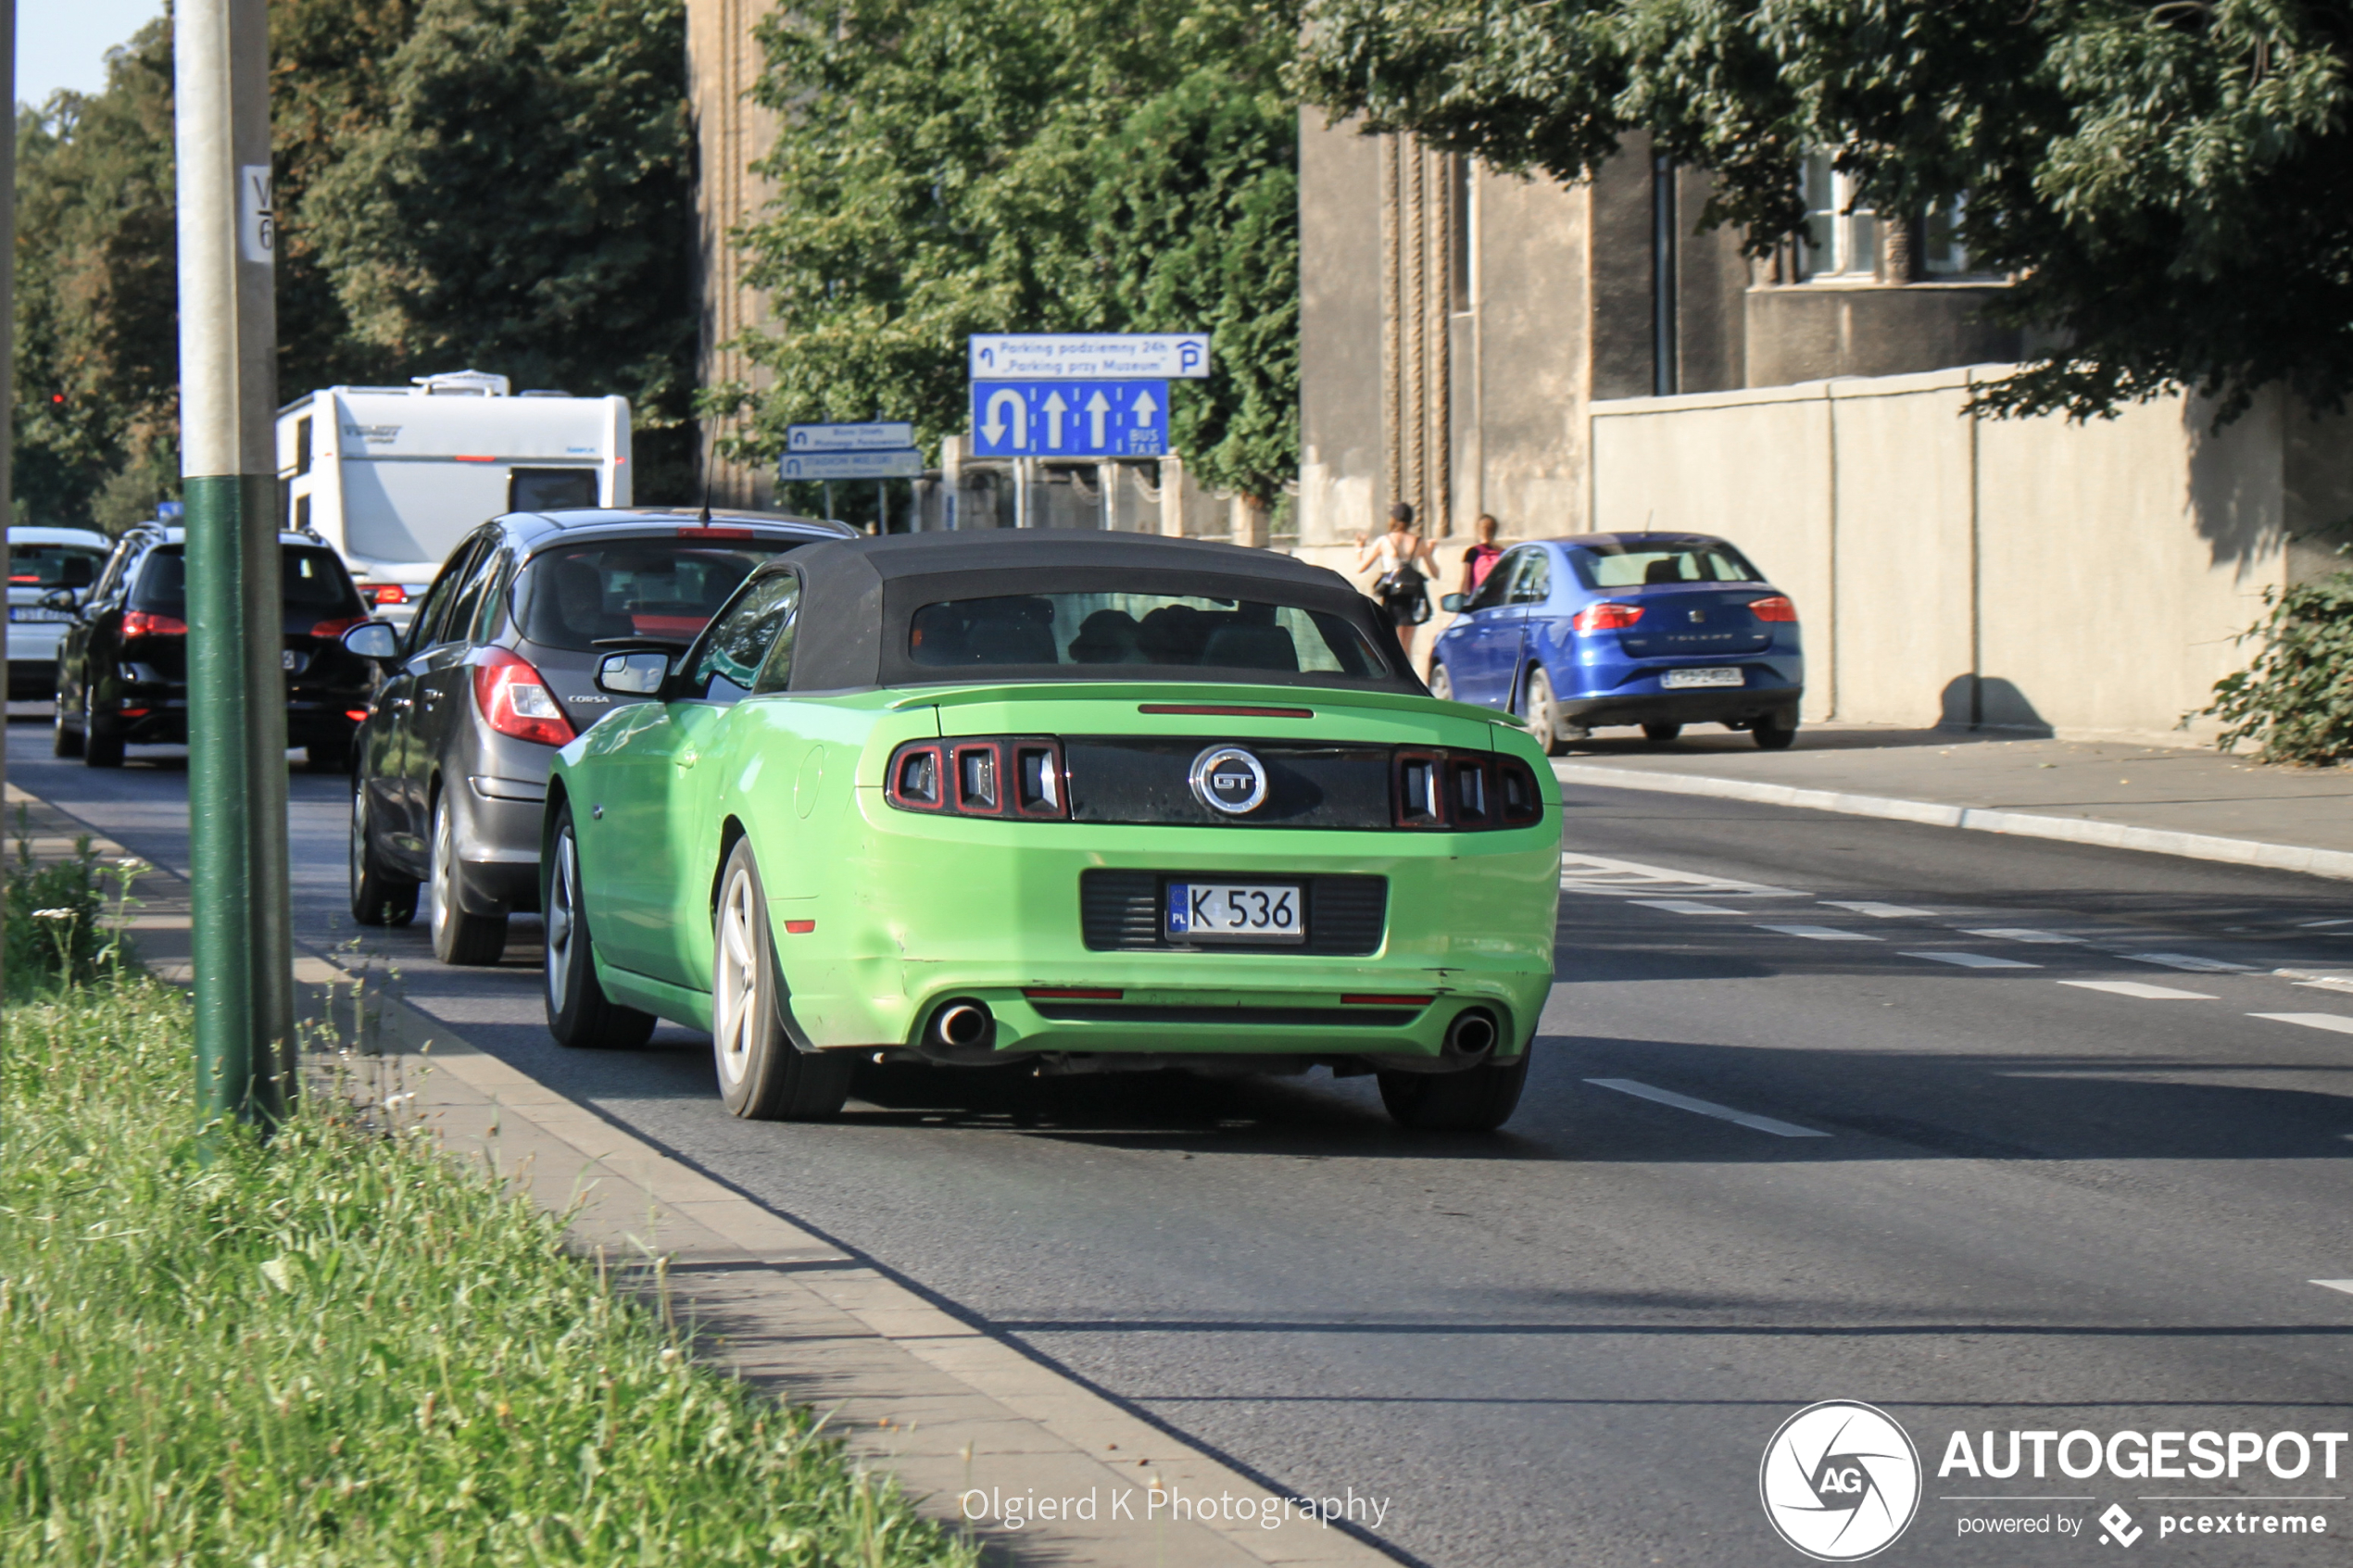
{"x":1233,"y":911}
{"x":1681,"y":680}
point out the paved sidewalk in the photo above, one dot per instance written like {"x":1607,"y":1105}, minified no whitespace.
{"x":912,"y":1388}
{"x":2166,"y":799}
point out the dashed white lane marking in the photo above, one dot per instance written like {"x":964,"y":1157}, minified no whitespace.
{"x":2135,"y":988}
{"x":2023,"y":934}
{"x":2331,"y":1021}
{"x":1597,"y":873}
{"x":1881,"y":911}
{"x":2343,"y":1285}
{"x":1819,"y":932}
{"x":1683,"y":907}
{"x":1970,"y":960}
{"x":2190,"y":961}
{"x":2313,"y":925}
{"x":1707,"y":1108}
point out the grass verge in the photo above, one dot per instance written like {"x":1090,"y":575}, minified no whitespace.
{"x":344,"y":1348}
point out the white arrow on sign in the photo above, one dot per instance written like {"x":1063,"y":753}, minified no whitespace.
{"x":1144,"y":407}
{"x":1096,"y":407}
{"x":996,"y":425}
{"x":1055,"y":409}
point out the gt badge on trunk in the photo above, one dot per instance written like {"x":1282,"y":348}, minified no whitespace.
{"x":1228,"y":780}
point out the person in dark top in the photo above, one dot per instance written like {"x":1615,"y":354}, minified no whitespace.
{"x":1480,"y":559}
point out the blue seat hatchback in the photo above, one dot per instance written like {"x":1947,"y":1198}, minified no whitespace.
{"x":1655,"y":629}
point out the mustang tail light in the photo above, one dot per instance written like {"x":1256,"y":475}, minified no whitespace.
{"x":1606,"y":617}
{"x":1462,"y":791}
{"x":1015,"y":776}
{"x":514,"y":698}
{"x":147,"y":623}
{"x":1777,"y":608}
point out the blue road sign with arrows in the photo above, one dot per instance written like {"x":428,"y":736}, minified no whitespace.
{"x":1070,"y":419}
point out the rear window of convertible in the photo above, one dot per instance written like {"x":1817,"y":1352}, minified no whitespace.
{"x":1086,"y":631}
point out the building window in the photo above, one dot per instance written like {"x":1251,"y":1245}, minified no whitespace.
{"x":1942,"y":253}
{"x":1841,"y":244}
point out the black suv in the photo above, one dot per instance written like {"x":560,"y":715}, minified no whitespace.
{"x":122,"y":665}
{"x":497,"y":671}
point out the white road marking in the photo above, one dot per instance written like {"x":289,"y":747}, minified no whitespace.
{"x":2313,"y":925}
{"x":1683,"y":907}
{"x":1970,"y":960}
{"x":2023,"y":934}
{"x":1597,"y":873}
{"x":2343,"y":1285}
{"x":1819,"y":932}
{"x":2190,"y":961}
{"x":2135,"y":988}
{"x":1704,"y":1107}
{"x":2336,"y":1022}
{"x":1881,"y":911}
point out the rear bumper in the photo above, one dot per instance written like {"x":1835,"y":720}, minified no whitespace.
{"x":1717,"y":706}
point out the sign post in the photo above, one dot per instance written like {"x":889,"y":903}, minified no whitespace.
{"x":228,"y":462}
{"x":881,"y":450}
{"x":1086,"y":396}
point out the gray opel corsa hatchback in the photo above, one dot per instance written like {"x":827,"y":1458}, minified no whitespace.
{"x":496,"y":671}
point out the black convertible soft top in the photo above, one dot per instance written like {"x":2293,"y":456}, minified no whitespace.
{"x":859,"y":595}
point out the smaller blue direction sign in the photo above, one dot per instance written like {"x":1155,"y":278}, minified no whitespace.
{"x":1070,"y":419}
{"x":906,"y":463}
{"x":878,"y":435}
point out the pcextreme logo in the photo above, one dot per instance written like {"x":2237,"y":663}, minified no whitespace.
{"x":1841,"y":1481}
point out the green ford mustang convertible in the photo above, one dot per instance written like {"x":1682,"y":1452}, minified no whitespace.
{"x":1082,"y":801}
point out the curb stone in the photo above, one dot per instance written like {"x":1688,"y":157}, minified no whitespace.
{"x":2025,"y":825}
{"x":911,"y":1388}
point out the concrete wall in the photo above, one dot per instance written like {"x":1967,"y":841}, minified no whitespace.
{"x":1342,"y":473}
{"x":2078,"y":580}
{"x":1814,"y":331}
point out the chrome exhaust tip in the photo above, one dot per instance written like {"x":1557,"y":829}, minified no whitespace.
{"x":1472,"y":1034}
{"x":961,"y":1024}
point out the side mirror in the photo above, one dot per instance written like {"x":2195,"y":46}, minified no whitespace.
{"x":632,"y":674}
{"x":378,"y":640}
{"x":1452,"y":603}
{"x":60,"y":598}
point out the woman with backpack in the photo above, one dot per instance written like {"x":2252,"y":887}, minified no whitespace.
{"x":1404,"y":564}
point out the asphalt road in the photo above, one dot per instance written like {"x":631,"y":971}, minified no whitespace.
{"x":2065,"y":1174}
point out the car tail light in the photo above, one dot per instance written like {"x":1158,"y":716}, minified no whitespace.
{"x":1777,"y":608}
{"x":1464,"y":791}
{"x":339,"y":626}
{"x":516,"y":701}
{"x":385,"y":594}
{"x":357,"y":715}
{"x":147,"y":623}
{"x":709,"y":532}
{"x":1606,"y":617}
{"x":980,"y":776}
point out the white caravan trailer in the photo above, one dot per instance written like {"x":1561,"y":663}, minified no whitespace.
{"x":394,"y":476}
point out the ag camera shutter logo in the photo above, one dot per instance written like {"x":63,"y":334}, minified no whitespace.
{"x":1839,"y":1480}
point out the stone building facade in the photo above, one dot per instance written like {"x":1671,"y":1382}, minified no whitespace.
{"x":730,"y":134}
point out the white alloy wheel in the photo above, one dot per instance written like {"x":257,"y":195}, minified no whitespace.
{"x":735,"y":1014}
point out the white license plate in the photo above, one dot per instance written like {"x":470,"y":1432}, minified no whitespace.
{"x":1680,"y":679}
{"x":29,"y":612}
{"x":1232,"y":911}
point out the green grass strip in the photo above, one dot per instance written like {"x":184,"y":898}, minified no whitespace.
{"x":345,"y":1348}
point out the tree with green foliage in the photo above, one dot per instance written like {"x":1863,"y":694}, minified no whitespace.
{"x":950,"y":166}
{"x":500,"y":184}
{"x":2171,"y":183}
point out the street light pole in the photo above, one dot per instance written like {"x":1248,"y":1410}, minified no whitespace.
{"x":228,"y":462}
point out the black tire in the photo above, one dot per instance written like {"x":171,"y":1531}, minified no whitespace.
{"x":762,"y":1076}
{"x":101,"y":743}
{"x":65,"y":740}
{"x":1543,"y":714}
{"x":1478,"y":1100}
{"x":378,"y":897}
{"x":1775,"y":732}
{"x":1659,"y":735}
{"x":579,"y":1013}
{"x":1441,"y":684}
{"x":458,"y":937}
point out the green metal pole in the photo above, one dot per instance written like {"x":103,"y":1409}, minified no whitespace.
{"x":236,"y":690}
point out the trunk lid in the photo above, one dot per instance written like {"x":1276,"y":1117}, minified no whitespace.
{"x":1695,"y":622}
